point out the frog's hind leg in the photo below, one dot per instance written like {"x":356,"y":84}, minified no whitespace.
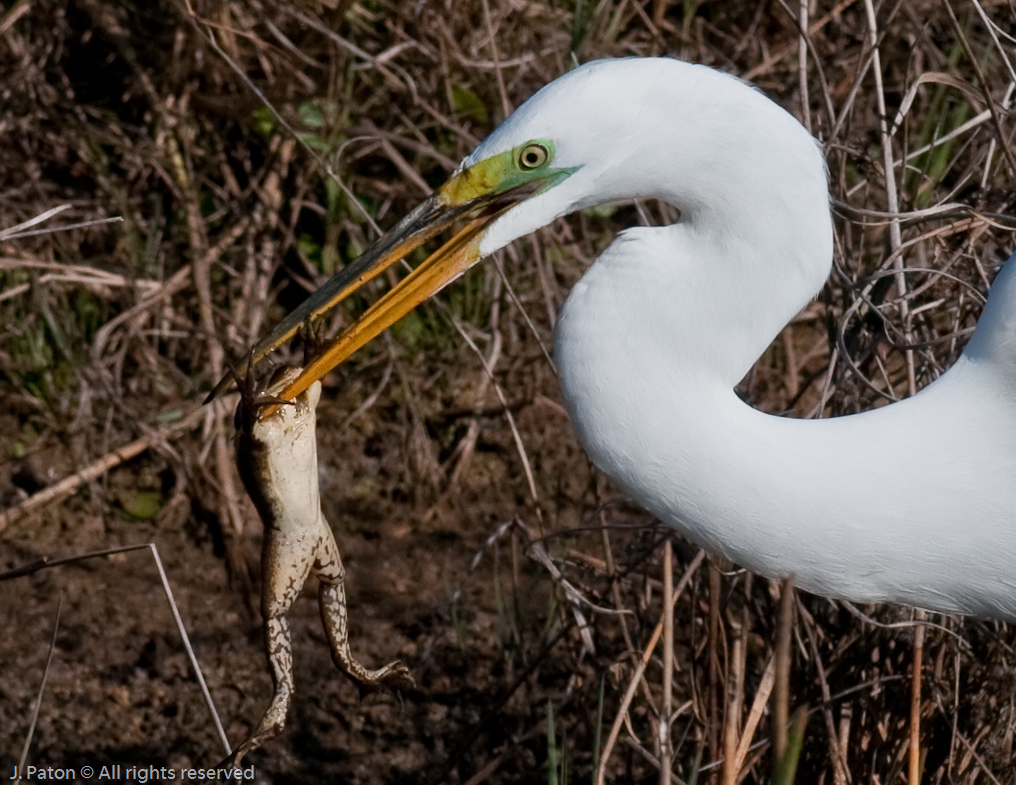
{"x":285,"y":564}
{"x":332,"y":598}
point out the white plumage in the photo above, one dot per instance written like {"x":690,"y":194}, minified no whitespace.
{"x":911,"y":503}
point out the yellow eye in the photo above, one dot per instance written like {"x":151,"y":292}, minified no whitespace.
{"x":533,"y":156}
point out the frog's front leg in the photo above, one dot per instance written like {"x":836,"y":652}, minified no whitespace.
{"x":332,"y":600}
{"x":286,"y":561}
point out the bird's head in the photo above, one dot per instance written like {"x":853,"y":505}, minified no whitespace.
{"x":609,"y":130}
{"x":509,"y":186}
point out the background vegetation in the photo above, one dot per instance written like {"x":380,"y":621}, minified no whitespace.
{"x":253,"y":148}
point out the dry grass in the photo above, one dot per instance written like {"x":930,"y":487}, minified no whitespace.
{"x":232,"y":212}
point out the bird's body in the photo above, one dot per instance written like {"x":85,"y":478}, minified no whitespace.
{"x":914,"y":502}
{"x":911,"y":503}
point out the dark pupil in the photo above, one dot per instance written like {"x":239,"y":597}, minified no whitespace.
{"x":532,"y":158}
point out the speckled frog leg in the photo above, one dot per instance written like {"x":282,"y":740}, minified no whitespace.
{"x":332,"y":599}
{"x":277,"y":459}
{"x":286,"y":561}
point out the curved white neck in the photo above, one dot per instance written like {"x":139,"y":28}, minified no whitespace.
{"x":909,"y":503}
{"x":654,"y":337}
{"x":863,"y":507}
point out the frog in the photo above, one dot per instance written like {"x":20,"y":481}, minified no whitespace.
{"x":276,"y":455}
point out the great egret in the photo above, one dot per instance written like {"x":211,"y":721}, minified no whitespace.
{"x":912,"y":503}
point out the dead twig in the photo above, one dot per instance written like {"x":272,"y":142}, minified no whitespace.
{"x":647,"y":653}
{"x":39,"y":694}
{"x":111,"y":460}
{"x":46,"y":563}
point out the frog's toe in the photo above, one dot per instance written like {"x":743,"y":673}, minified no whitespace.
{"x":235,"y":759}
{"x":396,"y":676}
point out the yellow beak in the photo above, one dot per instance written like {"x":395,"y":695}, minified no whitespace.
{"x":441,"y":268}
{"x":450,"y":261}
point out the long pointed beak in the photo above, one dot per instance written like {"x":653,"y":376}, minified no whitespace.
{"x":441,"y":268}
{"x":427,"y":220}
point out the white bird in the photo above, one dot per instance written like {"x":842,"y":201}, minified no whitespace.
{"x":912,"y":503}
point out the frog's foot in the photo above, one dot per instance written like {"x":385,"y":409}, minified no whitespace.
{"x":254,"y":392}
{"x":247,"y":380}
{"x":232,"y":761}
{"x":394,"y":676}
{"x":313,"y":336}
{"x":271,"y":726}
{"x":255,"y":389}
{"x":235,"y":759}
{"x":332,"y":599}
